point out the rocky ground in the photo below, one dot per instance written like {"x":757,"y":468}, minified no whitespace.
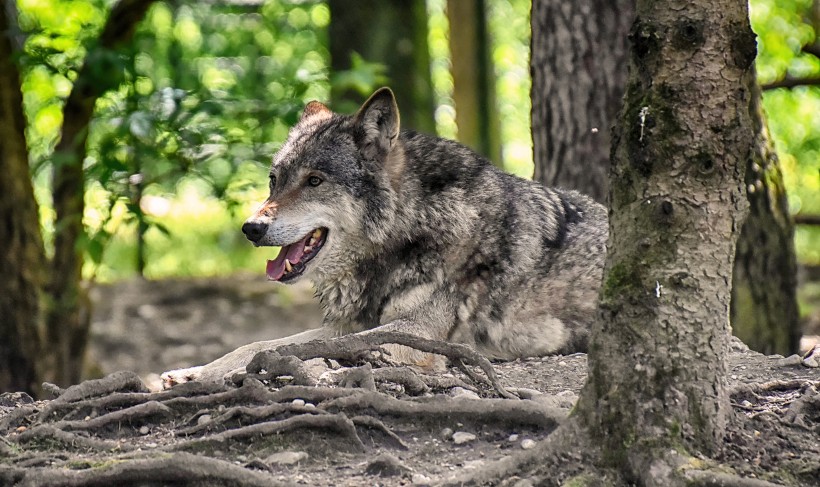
{"x":352,"y":420}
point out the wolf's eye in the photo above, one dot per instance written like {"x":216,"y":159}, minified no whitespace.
{"x":314,"y":181}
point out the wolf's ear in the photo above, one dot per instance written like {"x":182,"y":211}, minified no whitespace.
{"x":315,"y":110}
{"x":379,"y":118}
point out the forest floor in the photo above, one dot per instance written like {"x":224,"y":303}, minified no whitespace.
{"x":351,"y":421}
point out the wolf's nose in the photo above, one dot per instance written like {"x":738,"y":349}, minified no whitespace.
{"x":254,"y":230}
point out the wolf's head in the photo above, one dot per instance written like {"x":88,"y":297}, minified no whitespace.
{"x":332,"y":189}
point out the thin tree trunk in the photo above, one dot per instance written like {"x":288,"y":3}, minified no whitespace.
{"x":68,"y":317}
{"x":680,"y":150}
{"x":474,"y":78}
{"x":391,"y":33}
{"x":578,"y":65}
{"x":22,"y":257}
{"x":764,"y":293}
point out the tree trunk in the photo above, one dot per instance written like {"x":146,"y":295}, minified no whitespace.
{"x":680,"y":150}
{"x":578,"y":81}
{"x":68,"y":317}
{"x":578,"y":66}
{"x":21,"y":248}
{"x":474,"y":78}
{"x":764,"y":299}
{"x":391,"y":33}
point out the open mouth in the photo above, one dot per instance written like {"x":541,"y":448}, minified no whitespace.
{"x":292,"y":258}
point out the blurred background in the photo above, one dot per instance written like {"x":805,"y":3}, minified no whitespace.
{"x":179,"y":143}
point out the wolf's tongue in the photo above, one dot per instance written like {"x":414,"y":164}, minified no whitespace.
{"x":293,"y":252}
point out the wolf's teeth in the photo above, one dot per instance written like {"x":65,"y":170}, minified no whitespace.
{"x":312,"y":241}
{"x":308,"y":249}
{"x":317,"y":233}
{"x":288,"y":267}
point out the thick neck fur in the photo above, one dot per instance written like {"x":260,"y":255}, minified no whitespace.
{"x":429,"y":216}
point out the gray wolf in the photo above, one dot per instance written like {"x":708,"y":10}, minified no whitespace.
{"x":407,"y":232}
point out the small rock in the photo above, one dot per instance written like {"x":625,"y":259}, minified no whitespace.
{"x":525,"y":393}
{"x":462,"y":393}
{"x":446,"y":433}
{"x":13,"y":399}
{"x":513,"y":438}
{"x":310,"y":405}
{"x":385,"y":465}
{"x":144,"y":430}
{"x":298,"y":402}
{"x":205,"y":418}
{"x":746,"y":404}
{"x":286,"y":458}
{"x":811,"y":362}
{"x":790,"y":360}
{"x":528,"y":444}
{"x":420,"y":479}
{"x":461,"y":437}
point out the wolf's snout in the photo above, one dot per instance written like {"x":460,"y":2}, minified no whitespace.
{"x":254,"y":230}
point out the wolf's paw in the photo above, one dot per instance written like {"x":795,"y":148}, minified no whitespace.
{"x":179,"y":376}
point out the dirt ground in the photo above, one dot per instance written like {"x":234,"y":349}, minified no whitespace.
{"x":292,"y":423}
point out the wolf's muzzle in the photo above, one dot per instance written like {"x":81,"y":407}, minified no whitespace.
{"x":254,"y":231}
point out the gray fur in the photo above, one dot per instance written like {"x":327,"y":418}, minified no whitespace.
{"x":426,"y":236}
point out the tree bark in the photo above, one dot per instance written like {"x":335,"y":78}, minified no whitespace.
{"x":22,"y":255}
{"x":578,"y":67}
{"x":391,"y":33}
{"x":764,"y":312}
{"x":474,"y":79}
{"x":680,"y":151}
{"x":68,"y":317}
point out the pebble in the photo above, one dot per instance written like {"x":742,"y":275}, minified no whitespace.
{"x":811,"y":362}
{"x":144,"y":430}
{"x":421,"y":479}
{"x":385,"y":465}
{"x":298,"y":402}
{"x":286,"y":458}
{"x":446,"y":433}
{"x":205,"y":418}
{"x":528,"y":444}
{"x":461,"y":437}
{"x":513,"y":438}
{"x":790,"y":360}
{"x":462,"y":393}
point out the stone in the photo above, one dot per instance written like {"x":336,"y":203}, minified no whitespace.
{"x":528,"y":444}
{"x":461,"y":437}
{"x":386,"y":465}
{"x":790,"y":360}
{"x":286,"y":458}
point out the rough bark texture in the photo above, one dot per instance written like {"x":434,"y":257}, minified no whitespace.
{"x":21,"y":247}
{"x":764,"y":299}
{"x":657,"y":369}
{"x":578,"y":67}
{"x":394,"y":34}
{"x":473,"y":78}
{"x":68,"y":316}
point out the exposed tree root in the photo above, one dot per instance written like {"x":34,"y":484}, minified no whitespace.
{"x":45,"y":434}
{"x":128,"y":415}
{"x":270,"y":364}
{"x":248,"y":414}
{"x":178,"y":469}
{"x":494,"y":411}
{"x":354,"y":347}
{"x":337,"y":423}
{"x":376,"y":424}
{"x":404,"y":376}
{"x":719,"y":479}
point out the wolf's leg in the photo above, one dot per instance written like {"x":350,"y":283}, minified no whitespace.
{"x":237,"y":360}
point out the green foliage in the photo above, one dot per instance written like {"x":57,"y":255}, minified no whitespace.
{"x":783,"y":29}
{"x":178,"y":152}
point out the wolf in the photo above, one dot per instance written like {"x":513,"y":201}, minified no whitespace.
{"x":407,"y":232}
